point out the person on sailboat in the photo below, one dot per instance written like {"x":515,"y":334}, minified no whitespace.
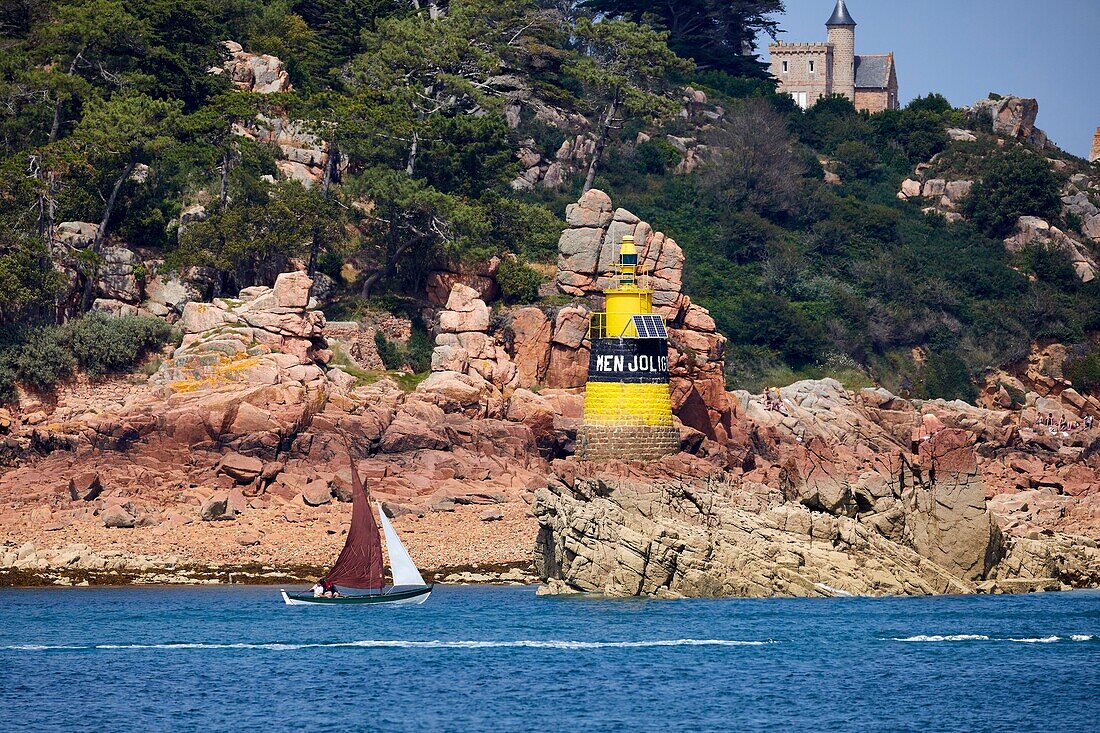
{"x":318,"y":590}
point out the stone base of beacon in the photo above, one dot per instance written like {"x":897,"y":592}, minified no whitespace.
{"x":627,"y":410}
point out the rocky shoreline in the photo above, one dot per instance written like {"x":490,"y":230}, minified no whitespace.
{"x":144,"y":571}
{"x":233,"y":458}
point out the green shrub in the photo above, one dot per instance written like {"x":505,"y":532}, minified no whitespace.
{"x":41,"y":357}
{"x":856,"y":159}
{"x":656,"y":156}
{"x":8,"y":394}
{"x":1052,"y":264}
{"x":419,"y":349}
{"x":1085,"y":373}
{"x":1014,"y":184}
{"x":41,"y":362}
{"x":744,"y":237}
{"x":103,"y":345}
{"x":388,"y":351}
{"x":946,"y":377}
{"x":518,"y":282}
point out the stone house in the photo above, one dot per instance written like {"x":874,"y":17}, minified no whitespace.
{"x":810,"y":71}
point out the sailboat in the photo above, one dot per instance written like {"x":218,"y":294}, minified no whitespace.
{"x":359,"y":565}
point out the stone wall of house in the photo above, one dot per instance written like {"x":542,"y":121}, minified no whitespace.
{"x":797,"y":77}
{"x":873,"y":100}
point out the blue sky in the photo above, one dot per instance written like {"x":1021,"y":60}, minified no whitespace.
{"x":964,"y":49}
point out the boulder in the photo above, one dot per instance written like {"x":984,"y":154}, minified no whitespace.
{"x":85,"y":486}
{"x":201,"y":317}
{"x":464,"y":389}
{"x":571,"y":327}
{"x":216,"y":508}
{"x":530,"y":348}
{"x":118,"y":275}
{"x":934,"y":188}
{"x":316,"y":493}
{"x":593,"y":209}
{"x":407,"y":433}
{"x":534,"y":412}
{"x":466,"y":312}
{"x":341,"y":488}
{"x":292,"y":290}
{"x":253,"y":72}
{"x":76,"y":234}
{"x":117,"y":516}
{"x":242,"y":469}
{"x":249,"y":538}
{"x":440,"y":283}
{"x":957,"y":191}
{"x":492,"y":514}
{"x":1013,"y":117}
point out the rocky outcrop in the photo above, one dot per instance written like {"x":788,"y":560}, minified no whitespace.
{"x":866,"y":494}
{"x":1031,"y":230}
{"x":253,"y":72}
{"x":685,"y":528}
{"x":256,"y":338}
{"x":304,"y":155}
{"x":1094,"y":153}
{"x":1013,"y":118}
{"x":945,"y":197}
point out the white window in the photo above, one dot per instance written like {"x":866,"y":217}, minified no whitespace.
{"x":811,"y":67}
{"x":802,"y":99}
{"x":785,"y":67}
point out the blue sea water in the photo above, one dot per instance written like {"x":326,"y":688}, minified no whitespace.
{"x":500,"y":659}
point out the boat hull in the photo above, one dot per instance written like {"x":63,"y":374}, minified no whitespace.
{"x":396,"y":597}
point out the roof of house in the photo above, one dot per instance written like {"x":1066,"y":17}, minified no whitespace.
{"x":873,"y":71}
{"x":841,"y":16}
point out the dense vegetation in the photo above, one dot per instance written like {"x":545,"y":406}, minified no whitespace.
{"x":111,"y":116}
{"x":40,"y":358}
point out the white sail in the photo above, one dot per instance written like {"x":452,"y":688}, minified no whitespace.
{"x":401,"y":565}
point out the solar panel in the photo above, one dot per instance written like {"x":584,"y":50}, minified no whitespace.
{"x":650,"y":326}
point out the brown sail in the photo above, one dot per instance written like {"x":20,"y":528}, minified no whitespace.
{"x":360,"y":562}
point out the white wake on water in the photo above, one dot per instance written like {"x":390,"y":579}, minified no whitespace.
{"x":954,"y":637}
{"x":406,"y":644}
{"x":983,"y":637}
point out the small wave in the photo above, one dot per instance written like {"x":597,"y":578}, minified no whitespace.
{"x":407,"y":644}
{"x":954,"y":637}
{"x":1082,"y":637}
{"x":1037,"y":639}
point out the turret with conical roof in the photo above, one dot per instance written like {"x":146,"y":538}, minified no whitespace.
{"x":842,"y":36}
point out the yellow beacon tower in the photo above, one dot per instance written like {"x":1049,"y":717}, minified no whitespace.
{"x":627,"y":407}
